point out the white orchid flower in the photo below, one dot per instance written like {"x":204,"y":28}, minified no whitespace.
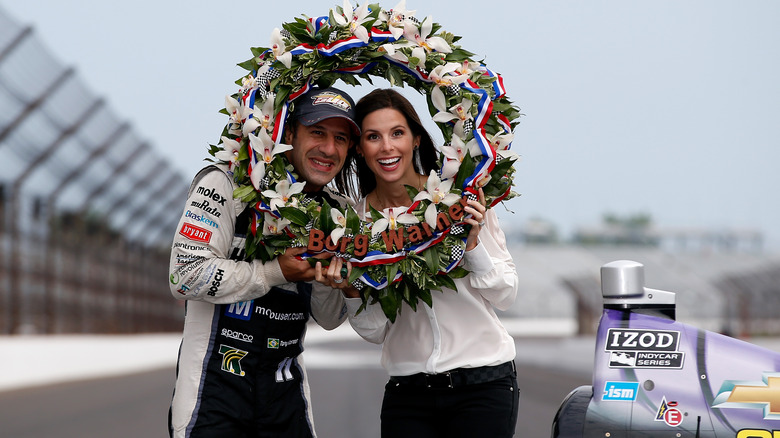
{"x":455,"y":152}
{"x":272,"y":225}
{"x":341,"y":221}
{"x":501,"y":141}
{"x":264,"y":146}
{"x":249,"y":119}
{"x":447,"y":74}
{"x":249,"y":83}
{"x":460,"y":112}
{"x":393,"y":218}
{"x":395,"y":18}
{"x":233,"y":107}
{"x":260,"y":117}
{"x":283,"y":194}
{"x":392,"y":53}
{"x":278,"y":47}
{"x":354,"y":18}
{"x":436,"y":191}
{"x":229,"y":152}
{"x":421,"y":36}
{"x":468,"y":67}
{"x":418,"y":57}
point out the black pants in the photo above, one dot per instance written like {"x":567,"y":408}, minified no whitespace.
{"x":470,"y":411}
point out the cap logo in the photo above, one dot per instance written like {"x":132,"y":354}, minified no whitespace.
{"x":333,"y":99}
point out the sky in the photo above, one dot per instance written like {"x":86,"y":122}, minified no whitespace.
{"x":660,"y":107}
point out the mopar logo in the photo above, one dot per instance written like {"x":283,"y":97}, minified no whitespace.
{"x":641,"y":340}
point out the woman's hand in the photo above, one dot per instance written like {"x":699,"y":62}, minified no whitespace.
{"x":477,"y":220}
{"x":336,"y":276}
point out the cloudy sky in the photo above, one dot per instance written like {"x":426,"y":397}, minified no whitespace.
{"x":664,"y":107}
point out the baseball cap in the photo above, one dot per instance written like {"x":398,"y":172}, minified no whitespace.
{"x":319,"y":104}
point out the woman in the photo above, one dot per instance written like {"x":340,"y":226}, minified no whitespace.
{"x":451,"y":366}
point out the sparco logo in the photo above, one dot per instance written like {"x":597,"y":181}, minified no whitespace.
{"x":195,"y":233}
{"x":642,"y":340}
{"x":212,"y":194}
{"x":217,"y":281}
{"x":237,"y":335}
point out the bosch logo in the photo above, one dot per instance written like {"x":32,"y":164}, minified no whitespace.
{"x":215,"y":284}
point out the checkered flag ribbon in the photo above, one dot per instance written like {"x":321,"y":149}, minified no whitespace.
{"x":468,"y":126}
{"x":456,"y":252}
{"x":456,"y":229}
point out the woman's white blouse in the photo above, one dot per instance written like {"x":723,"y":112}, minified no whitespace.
{"x":462,"y":329}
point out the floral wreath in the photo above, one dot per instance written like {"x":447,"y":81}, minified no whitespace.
{"x":402,"y":253}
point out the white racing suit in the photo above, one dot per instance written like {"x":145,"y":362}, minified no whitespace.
{"x":240,"y":371}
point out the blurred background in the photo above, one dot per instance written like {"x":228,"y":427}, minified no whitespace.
{"x":649,"y":133}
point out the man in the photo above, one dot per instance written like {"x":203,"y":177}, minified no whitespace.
{"x":240,"y":373}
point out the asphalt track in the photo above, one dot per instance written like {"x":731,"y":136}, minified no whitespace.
{"x":346,"y":404}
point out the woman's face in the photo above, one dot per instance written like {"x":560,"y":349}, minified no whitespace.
{"x":387,"y":144}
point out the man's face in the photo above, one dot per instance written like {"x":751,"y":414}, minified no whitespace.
{"x":319,"y":151}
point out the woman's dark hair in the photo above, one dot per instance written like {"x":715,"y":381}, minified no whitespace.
{"x":356,"y":172}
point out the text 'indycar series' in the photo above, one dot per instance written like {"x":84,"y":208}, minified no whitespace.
{"x":656,"y":377}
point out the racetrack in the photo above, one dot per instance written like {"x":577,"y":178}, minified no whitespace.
{"x":346,"y":398}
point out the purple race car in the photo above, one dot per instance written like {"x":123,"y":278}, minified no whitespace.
{"x":655,"y":377}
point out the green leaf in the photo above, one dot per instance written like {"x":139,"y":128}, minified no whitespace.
{"x":241,"y":192}
{"x":425,"y":296}
{"x":353,"y":221}
{"x":458,"y":273}
{"x":431,"y":256}
{"x":294,"y":215}
{"x":391,"y":270}
{"x":356,"y":273}
{"x":389,"y":303}
{"x":446,"y":281}
{"x":411,"y":191}
{"x":465,"y":170}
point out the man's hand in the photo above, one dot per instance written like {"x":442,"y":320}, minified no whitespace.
{"x":295,"y":268}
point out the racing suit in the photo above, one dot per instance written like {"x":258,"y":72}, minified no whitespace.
{"x":240,"y":372}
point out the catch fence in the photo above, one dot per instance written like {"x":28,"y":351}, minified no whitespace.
{"x":84,"y":233}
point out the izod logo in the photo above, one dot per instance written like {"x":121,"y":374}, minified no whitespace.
{"x":195,"y":233}
{"x":642,"y":340}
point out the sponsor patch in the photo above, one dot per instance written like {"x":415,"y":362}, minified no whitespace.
{"x":746,"y":394}
{"x":620,"y":391}
{"x":231,"y":359}
{"x":232,"y":334}
{"x":669,"y":414}
{"x":195,"y":233}
{"x":332,"y":99}
{"x":242,"y":310}
{"x":637,"y":348}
